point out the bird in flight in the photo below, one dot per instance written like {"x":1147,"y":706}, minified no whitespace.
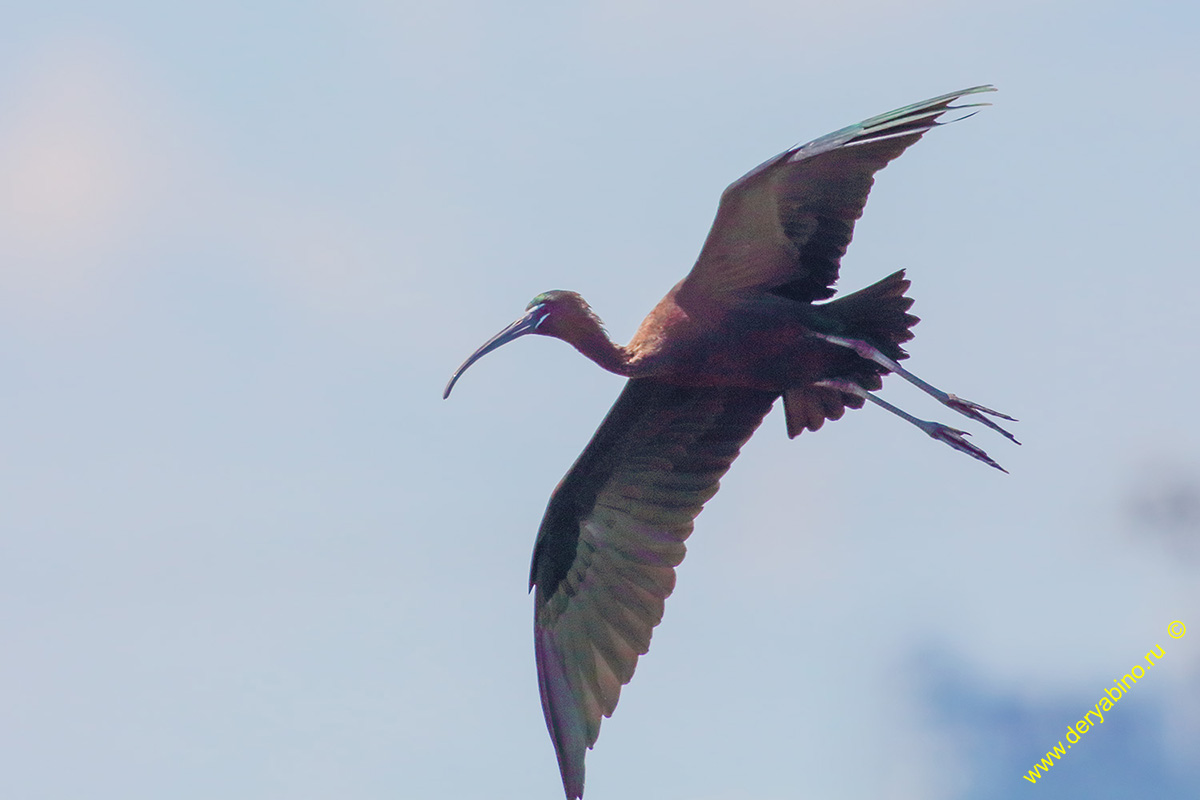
{"x":742,"y":329}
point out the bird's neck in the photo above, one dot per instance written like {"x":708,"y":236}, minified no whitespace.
{"x":596,"y":345}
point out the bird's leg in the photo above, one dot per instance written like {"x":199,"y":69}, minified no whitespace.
{"x":964,"y":407}
{"x":943,"y":433}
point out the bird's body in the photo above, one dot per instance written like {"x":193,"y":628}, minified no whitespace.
{"x":744,"y":328}
{"x":762,"y":344}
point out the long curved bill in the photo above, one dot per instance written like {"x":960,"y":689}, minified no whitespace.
{"x":522,"y":326}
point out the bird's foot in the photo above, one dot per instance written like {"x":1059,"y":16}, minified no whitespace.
{"x":957,"y":439}
{"x":976,"y":412}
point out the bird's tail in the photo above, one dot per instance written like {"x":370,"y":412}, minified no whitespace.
{"x":877,"y":314}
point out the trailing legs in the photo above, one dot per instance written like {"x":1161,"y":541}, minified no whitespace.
{"x":964,"y":407}
{"x":943,"y":433}
{"x":951,"y":436}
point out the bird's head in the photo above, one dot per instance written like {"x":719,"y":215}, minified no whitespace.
{"x":563,"y":315}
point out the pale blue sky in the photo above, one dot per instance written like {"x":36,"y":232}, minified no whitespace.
{"x":246,"y":551}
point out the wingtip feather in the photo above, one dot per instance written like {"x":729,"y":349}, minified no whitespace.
{"x":913,"y":120}
{"x":563,"y":718}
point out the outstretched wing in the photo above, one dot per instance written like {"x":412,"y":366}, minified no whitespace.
{"x":784,"y":226}
{"x":614,"y":530}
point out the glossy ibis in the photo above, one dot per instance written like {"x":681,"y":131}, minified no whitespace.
{"x":742,"y":329}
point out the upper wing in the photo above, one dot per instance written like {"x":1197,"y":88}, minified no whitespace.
{"x":613,"y":533}
{"x":784,"y":226}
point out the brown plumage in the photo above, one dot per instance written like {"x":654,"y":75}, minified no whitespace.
{"x":742,"y":329}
